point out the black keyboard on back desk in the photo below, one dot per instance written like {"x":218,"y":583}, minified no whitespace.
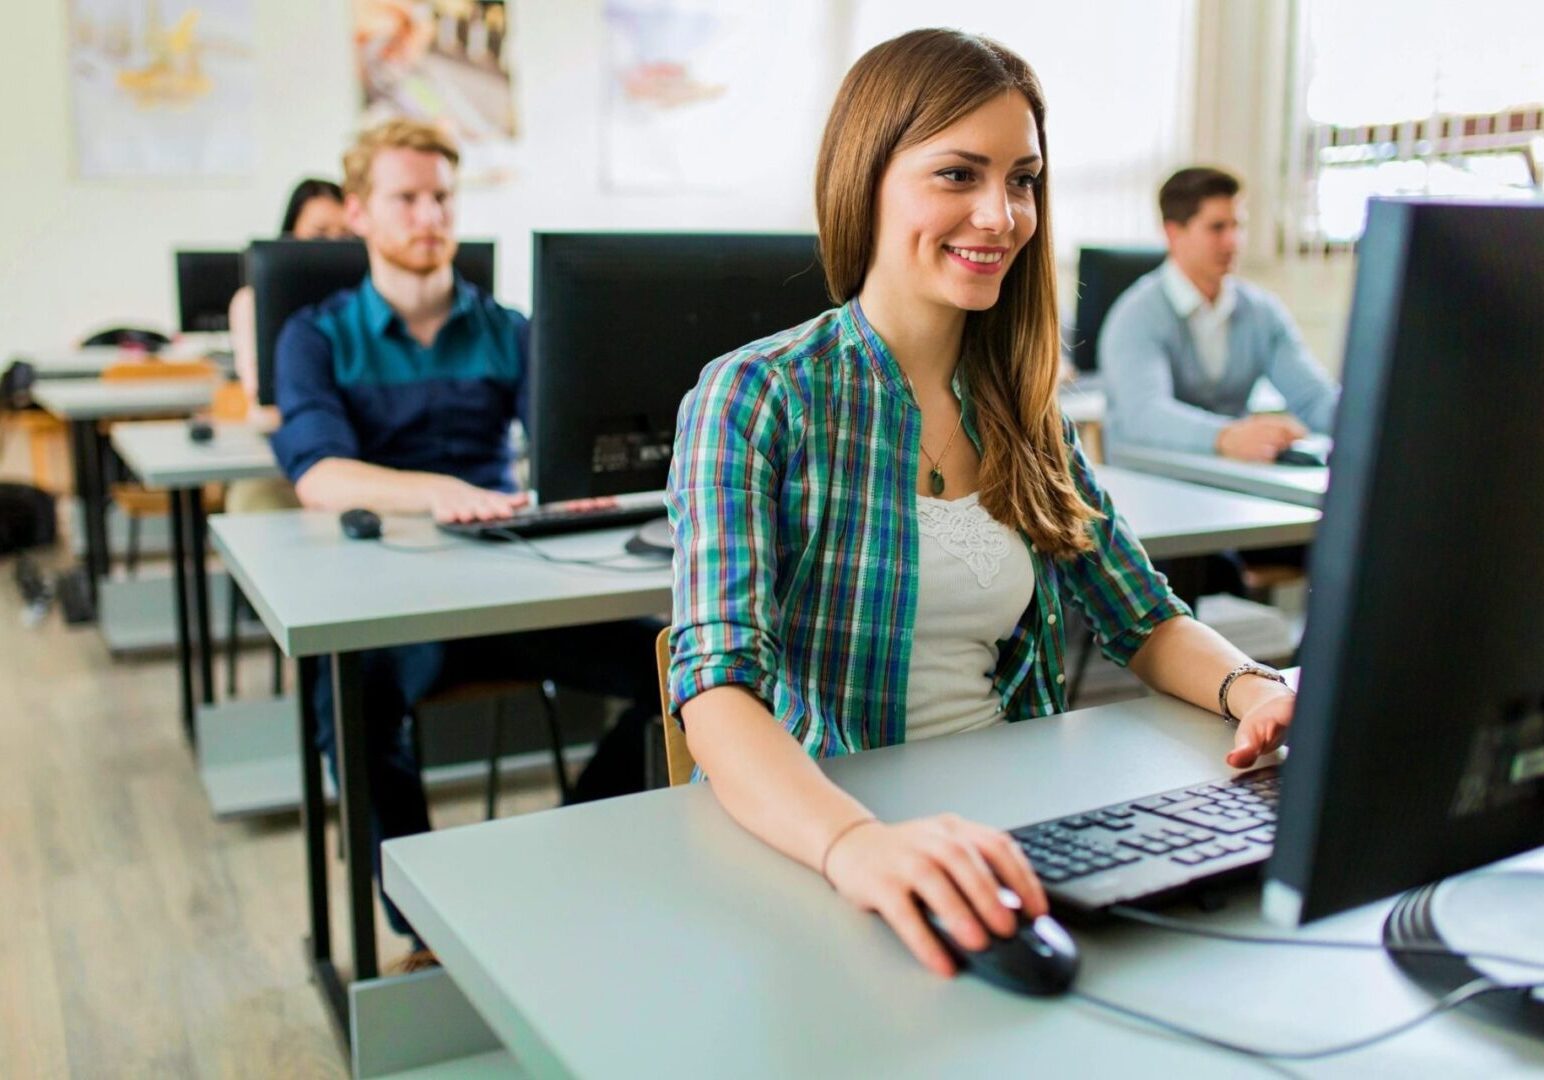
{"x":551,"y":520}
{"x":1150,"y":849}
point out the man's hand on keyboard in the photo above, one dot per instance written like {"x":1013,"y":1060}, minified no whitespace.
{"x":1263,"y":724}
{"x":456,"y":500}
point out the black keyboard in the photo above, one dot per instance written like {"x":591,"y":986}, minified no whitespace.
{"x":1151,"y":849}
{"x":550,"y":520}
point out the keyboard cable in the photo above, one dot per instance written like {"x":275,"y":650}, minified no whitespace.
{"x":1467,"y":992}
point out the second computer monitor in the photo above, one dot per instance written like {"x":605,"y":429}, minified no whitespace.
{"x":623,"y":325}
{"x":206,"y":281}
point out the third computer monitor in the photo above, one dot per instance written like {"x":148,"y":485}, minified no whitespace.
{"x":623,"y":325}
{"x":206,"y":281}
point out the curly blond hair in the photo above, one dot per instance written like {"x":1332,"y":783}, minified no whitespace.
{"x":392,"y":135}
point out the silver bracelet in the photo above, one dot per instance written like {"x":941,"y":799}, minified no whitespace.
{"x":1244,"y":669}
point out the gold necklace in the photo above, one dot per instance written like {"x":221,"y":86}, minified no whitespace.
{"x":935,"y":478}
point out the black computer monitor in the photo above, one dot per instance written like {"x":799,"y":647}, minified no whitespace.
{"x":287,"y":275}
{"x":1103,"y":274}
{"x":206,"y":281}
{"x":623,"y":325}
{"x":1417,"y":748}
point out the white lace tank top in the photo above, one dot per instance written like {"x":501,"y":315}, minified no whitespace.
{"x":974,"y":580}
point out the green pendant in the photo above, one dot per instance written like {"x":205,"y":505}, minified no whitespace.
{"x":936,"y":482}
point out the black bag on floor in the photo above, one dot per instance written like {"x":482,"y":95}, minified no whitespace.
{"x":26,"y":518}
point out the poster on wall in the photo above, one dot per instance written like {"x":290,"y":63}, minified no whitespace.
{"x":448,"y":62}
{"x":162,"y":88}
{"x":682,"y":77}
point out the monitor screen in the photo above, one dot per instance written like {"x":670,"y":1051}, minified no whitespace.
{"x":624,"y":323}
{"x":206,"y":281}
{"x":1103,"y":274}
{"x":287,"y":275}
{"x":1417,"y":748}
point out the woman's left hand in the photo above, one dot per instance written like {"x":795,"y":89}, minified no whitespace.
{"x":1261,"y":728}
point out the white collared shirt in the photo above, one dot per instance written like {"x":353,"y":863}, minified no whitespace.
{"x":1208,"y":322}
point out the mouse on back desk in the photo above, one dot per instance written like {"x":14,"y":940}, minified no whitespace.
{"x":360,"y":524}
{"x":1295,"y":455}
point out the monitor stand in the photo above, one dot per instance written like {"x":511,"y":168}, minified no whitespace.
{"x":1492,"y":911}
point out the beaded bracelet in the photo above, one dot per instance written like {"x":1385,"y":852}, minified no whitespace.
{"x":1244,"y":669}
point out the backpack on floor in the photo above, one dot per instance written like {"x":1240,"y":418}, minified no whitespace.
{"x":26,"y":518}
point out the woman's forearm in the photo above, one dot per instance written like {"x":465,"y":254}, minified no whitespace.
{"x":1188,"y":660}
{"x":763,"y":778}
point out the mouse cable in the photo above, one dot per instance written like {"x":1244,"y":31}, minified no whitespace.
{"x":1181,"y":926}
{"x":1467,"y":992}
{"x":600,"y":562}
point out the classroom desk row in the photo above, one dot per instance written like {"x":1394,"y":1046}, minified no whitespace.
{"x":319,"y":593}
{"x":651,"y":936}
{"x":163,"y":456}
{"x":83,"y":404}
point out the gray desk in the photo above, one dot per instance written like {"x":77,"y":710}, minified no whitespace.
{"x":1303,"y":486}
{"x":319,"y":593}
{"x":86,"y":362}
{"x":81,"y":403}
{"x":659,"y":939}
{"x":1177,"y":520}
{"x":162,"y":456}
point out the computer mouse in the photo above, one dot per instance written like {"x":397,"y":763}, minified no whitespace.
{"x":1040,"y":959}
{"x":1292,"y":455}
{"x":360,"y":524}
{"x":200,"y":431}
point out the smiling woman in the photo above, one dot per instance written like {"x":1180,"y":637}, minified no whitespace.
{"x":850,"y":571}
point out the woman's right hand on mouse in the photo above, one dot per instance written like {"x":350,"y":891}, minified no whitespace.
{"x":951,"y":865}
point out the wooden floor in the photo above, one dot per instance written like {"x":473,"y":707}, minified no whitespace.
{"x":140,"y":937}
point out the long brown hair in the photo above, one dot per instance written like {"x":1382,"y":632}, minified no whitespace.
{"x":903,"y":92}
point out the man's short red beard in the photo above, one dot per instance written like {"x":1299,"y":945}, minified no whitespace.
{"x":414,"y":260}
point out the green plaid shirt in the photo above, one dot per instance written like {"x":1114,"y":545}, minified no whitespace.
{"x":792,"y":494}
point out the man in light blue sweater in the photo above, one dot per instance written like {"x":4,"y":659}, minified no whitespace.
{"x":1182,"y":348}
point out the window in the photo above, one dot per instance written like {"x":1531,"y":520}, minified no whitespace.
{"x":1425,"y":97}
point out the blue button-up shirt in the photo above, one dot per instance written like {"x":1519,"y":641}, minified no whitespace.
{"x":351,"y":382}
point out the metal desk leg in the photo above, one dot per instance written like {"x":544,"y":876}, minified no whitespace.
{"x":99,"y":551}
{"x":313,"y":826}
{"x":81,"y":467}
{"x":180,"y":598}
{"x":354,"y":806}
{"x":198,"y":550}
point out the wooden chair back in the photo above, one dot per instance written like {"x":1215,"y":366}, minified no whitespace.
{"x":679,"y":763}
{"x":160,"y":369}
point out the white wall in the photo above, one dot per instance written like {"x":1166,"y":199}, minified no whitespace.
{"x":75,"y":255}
{"x":1120,"y":77}
{"x":1118,"y":80}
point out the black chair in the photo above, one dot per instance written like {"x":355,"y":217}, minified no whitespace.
{"x":287,"y":275}
{"x":1103,"y":274}
{"x":132,"y":337}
